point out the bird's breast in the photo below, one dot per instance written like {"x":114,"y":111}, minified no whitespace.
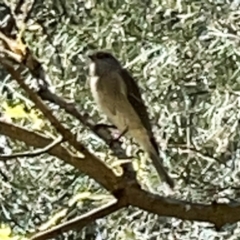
{"x":99,"y":91}
{"x":108,"y":101}
{"x":115,"y":105}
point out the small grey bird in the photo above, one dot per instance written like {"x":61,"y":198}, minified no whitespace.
{"x":118,"y":96}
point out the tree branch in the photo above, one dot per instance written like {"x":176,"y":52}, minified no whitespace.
{"x":67,"y":135}
{"x":81,"y":221}
{"x":100,"y":172}
{"x":131,"y":194}
{"x":216,"y":213}
{"x":32,"y":153}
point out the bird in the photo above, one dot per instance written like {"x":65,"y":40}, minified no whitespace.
{"x":118,"y":96}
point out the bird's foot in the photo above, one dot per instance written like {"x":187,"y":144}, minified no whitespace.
{"x":116,"y":139}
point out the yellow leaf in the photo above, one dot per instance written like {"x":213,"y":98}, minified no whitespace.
{"x":5,"y":231}
{"x":34,"y":114}
{"x":16,"y":112}
{"x":79,"y":197}
{"x":37,"y":121}
{"x":38,"y":124}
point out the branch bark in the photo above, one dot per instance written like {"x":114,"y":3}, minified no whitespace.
{"x":100,"y":172}
{"x":32,"y":153}
{"x":129,"y":193}
{"x":81,"y":221}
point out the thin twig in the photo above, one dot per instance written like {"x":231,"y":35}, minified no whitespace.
{"x":100,"y":172}
{"x":33,"y":153}
{"x":66,"y":133}
{"x":81,"y":221}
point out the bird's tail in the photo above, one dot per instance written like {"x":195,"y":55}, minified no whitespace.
{"x":160,"y":169}
{"x":150,"y":146}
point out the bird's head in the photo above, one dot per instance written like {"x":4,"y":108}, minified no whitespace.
{"x":102,"y":62}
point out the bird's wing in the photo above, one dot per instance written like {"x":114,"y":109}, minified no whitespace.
{"x":134,"y":97}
